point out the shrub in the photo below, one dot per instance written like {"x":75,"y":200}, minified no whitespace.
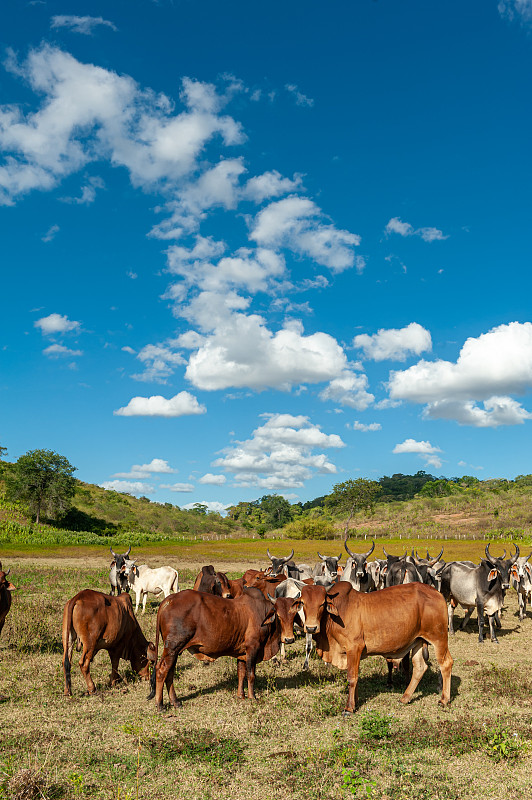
{"x":310,"y":528}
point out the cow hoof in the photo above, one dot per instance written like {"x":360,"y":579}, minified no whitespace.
{"x":177,"y":704}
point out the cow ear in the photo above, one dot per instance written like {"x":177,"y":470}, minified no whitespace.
{"x":113,"y":563}
{"x":514,"y":571}
{"x":528,"y":569}
{"x":270,"y":617}
{"x":297,"y":603}
{"x":10,"y":586}
{"x":492,"y":574}
{"x":152,"y":652}
{"x":331,"y":608}
{"x":385,"y":569}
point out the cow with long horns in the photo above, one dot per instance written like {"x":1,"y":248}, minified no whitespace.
{"x":356,"y":572}
{"x":117,"y":573}
{"x":278,"y":563}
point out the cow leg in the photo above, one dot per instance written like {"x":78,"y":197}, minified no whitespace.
{"x":308,"y":650}
{"x":522,"y":606}
{"x":282,"y":654}
{"x":445,"y":663}
{"x":492,"y":623}
{"x":84,"y":665}
{"x":419,"y":667}
{"x":497,"y":619}
{"x":450,"y":613}
{"x":466,"y":619}
{"x":67,"y":661}
{"x":137,"y":601}
{"x":164,"y":673}
{"x":144,"y":598}
{"x":389,"y":664}
{"x":114,"y":677}
{"x":241,"y":674}
{"x":353,"y":664}
{"x":251,"y":660}
{"x":480,"y":612}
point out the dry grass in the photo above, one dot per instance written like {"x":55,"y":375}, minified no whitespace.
{"x":291,"y":743}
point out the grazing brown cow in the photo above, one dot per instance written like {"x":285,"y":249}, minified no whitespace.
{"x":209,"y":627}
{"x":230,"y":588}
{"x":103,"y":622}
{"x":6,"y":587}
{"x":387,"y":623}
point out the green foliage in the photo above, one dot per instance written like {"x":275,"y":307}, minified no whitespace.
{"x":310,"y":528}
{"x":374,"y":725}
{"x":403,"y":487}
{"x":42,"y":479}
{"x":352,"y":496}
{"x":276,"y":510}
{"x":503,"y":745}
{"x":438,"y":488}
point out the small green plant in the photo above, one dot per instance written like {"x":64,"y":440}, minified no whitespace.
{"x":76,"y":782}
{"x":356,"y":783}
{"x":503,"y":745}
{"x":374,"y":725}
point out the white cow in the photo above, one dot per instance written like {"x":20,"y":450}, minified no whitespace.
{"x":142,"y":580}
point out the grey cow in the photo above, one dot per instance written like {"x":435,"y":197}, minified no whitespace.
{"x":326,"y":572}
{"x":356,"y":571}
{"x":117,"y":573}
{"x":521,"y":578}
{"x":473,"y":587}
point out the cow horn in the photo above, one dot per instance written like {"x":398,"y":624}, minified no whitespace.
{"x":370,"y":551}
{"x":412,"y":554}
{"x":489,"y":557}
{"x":435,"y":560}
{"x":384,"y":551}
{"x":288,"y":557}
{"x":269,"y":554}
{"x":112,"y":552}
{"x":340,"y":556}
{"x":128,"y":552}
{"x":526,"y":559}
{"x":514,"y":558}
{"x":322,"y":557}
{"x":270,"y":598}
{"x":504,"y":554}
{"x":348,"y":550}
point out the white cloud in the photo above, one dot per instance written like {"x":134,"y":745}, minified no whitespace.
{"x":394,"y":343}
{"x":214,"y":480}
{"x":58,"y":351}
{"x":88,"y":193}
{"x":51,"y":233}
{"x":279,"y":454}
{"x":349,"y":390}
{"x":130,"y":487}
{"x":295,"y":223}
{"x":396,"y":225}
{"x":516,"y":9}
{"x":160,"y":362}
{"x":178,"y":487}
{"x":425,"y":450}
{"x":243,"y":352}
{"x":361,"y":426}
{"x":412,"y":446}
{"x":89,"y":113}
{"x":157,"y":466}
{"x":300,"y":98}
{"x":180,"y":405}
{"x":496,"y":411}
{"x":128,"y":349}
{"x":269,"y":184}
{"x":85,"y":25}
{"x":56,"y":323}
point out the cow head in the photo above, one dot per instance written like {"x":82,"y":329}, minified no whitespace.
{"x":330,"y":567}
{"x":310,"y":606}
{"x":208,"y":581}
{"x":4,"y":583}
{"x":142,"y":659}
{"x":225,"y":589}
{"x":503,"y":565}
{"x":355,"y":569}
{"x":120,"y":565}
{"x":278,"y":563}
{"x":286,"y":609}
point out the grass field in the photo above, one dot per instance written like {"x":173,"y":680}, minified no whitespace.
{"x":291,"y":743}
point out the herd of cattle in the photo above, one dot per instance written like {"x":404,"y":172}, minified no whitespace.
{"x":393,"y":607}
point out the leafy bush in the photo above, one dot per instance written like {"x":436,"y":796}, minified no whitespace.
{"x":310,"y":528}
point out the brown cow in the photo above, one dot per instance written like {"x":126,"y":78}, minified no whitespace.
{"x":230,"y":587}
{"x":307,"y":609}
{"x":103,"y":622}
{"x":209,"y":627}
{"x":387,"y":623}
{"x":266,"y":583}
{"x":6,"y":587}
{"x":207,"y":581}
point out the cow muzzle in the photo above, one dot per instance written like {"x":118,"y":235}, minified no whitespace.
{"x":311,"y":628}
{"x":289,"y":640}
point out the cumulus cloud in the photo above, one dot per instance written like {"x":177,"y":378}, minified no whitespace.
{"x":129,"y":487}
{"x":279,"y":455}
{"x":214,"y":480}
{"x":59,"y":351}
{"x":425,"y":450}
{"x":296,"y":223}
{"x":496,"y":411}
{"x":157,"y":466}
{"x":361,"y":426}
{"x":88,"y":193}
{"x":182,"y":404}
{"x":396,"y":225}
{"x":85,"y":25}
{"x":349,"y":390}
{"x":178,"y":487}
{"x":244,"y":352}
{"x":159,"y":361}
{"x":394,"y":343}
{"x":56,"y":323}
{"x":89,"y":113}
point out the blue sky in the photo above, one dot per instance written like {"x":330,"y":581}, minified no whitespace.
{"x":250,"y":249}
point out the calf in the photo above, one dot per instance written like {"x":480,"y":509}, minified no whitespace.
{"x":6,"y":587}
{"x":144,"y":580}
{"x":209,"y":627}
{"x":101,"y":622}
{"x":306,"y":606}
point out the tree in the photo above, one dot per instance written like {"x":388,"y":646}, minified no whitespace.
{"x":43,"y":480}
{"x":352,"y":496}
{"x":200,"y":508}
{"x":276,"y":509}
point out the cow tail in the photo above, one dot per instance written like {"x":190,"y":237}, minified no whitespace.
{"x":69,"y":637}
{"x":153,"y":678}
{"x":426,"y":652}
{"x":175,"y":582}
